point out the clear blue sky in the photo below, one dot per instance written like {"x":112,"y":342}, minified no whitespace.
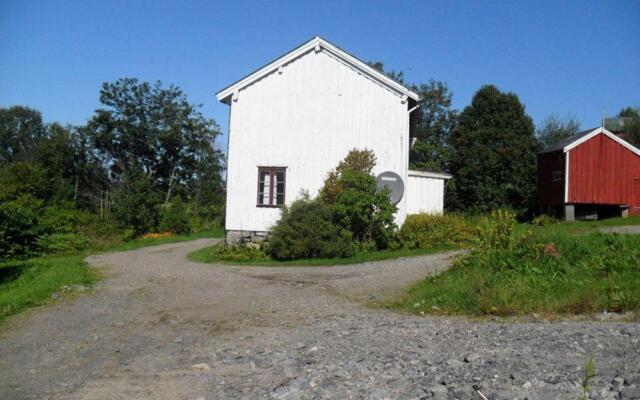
{"x":558,"y":56}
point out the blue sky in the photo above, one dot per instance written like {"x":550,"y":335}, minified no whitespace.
{"x":564,"y":57}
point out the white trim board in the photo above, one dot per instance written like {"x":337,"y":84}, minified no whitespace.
{"x":429,"y":174}
{"x":596,"y":132}
{"x":566,"y":177}
{"x":316,"y":44}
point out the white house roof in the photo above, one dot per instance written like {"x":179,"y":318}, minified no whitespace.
{"x":579,"y":138}
{"x":429,"y":174}
{"x":317,"y":44}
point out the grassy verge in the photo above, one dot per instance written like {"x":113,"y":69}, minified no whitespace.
{"x":32,"y":282}
{"x":550,"y":272}
{"x":28,"y":283}
{"x":206,"y":255}
{"x":578,"y":227}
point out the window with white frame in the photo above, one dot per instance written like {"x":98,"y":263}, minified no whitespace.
{"x":271,"y":186}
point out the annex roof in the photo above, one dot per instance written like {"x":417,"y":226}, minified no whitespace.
{"x":581,"y":137}
{"x":429,"y":174}
{"x":317,"y":44}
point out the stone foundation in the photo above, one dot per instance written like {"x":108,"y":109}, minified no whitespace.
{"x":233,"y":237}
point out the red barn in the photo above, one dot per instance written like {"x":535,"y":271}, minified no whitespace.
{"x":593,"y":174}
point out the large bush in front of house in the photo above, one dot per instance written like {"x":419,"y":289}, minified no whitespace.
{"x":306,"y":230}
{"x":357,"y":204}
{"x":364,"y":210}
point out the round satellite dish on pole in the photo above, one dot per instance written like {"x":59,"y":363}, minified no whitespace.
{"x":391,"y":180}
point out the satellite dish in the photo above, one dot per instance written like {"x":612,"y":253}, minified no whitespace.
{"x":391,"y":180}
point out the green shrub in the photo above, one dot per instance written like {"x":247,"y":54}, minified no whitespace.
{"x":544,"y":219}
{"x":238,"y":253}
{"x":356,"y":160}
{"x":175,"y":218}
{"x":20,"y":179}
{"x":365,"y":211}
{"x":430,"y":230}
{"x":136,"y":204}
{"x":128,"y":235}
{"x":60,"y":219}
{"x":57,"y":243}
{"x":495,"y":231}
{"x":306,"y":230}
{"x":19,"y":227}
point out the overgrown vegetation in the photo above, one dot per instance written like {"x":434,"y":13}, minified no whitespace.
{"x":144,"y":162}
{"x":428,"y":230}
{"x":511,"y":271}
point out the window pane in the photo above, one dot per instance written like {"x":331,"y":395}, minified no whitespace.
{"x":266,"y":188}
{"x":280,"y":199}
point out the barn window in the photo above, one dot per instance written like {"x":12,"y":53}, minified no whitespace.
{"x":271,"y":186}
{"x":557,"y":176}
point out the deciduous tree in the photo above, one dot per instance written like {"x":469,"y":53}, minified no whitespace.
{"x":554,"y":129}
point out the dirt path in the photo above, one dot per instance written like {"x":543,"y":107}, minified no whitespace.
{"x":161,"y":327}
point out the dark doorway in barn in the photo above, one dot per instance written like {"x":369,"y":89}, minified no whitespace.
{"x":593,"y":212}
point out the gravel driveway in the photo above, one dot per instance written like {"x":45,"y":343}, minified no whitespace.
{"x":161,"y":327}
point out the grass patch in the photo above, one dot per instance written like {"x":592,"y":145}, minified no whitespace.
{"x":209,"y":255}
{"x":31,"y":282}
{"x":28,"y":283}
{"x":578,"y":227}
{"x":548,"y":272}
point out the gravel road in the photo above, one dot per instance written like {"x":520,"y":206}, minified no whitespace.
{"x":161,"y":327}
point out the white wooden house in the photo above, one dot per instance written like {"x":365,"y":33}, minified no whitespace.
{"x":294,"y":119}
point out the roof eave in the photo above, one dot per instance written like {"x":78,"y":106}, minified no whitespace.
{"x":429,"y":174}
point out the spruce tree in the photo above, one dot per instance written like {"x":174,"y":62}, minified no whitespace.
{"x":493,"y":156}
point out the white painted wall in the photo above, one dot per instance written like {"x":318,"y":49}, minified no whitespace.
{"x":425,"y":195}
{"x":307,"y":117}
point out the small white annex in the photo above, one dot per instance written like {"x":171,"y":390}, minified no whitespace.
{"x":294,"y":119}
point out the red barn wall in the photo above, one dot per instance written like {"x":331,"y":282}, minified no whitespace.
{"x":602,"y":171}
{"x":550,"y":193}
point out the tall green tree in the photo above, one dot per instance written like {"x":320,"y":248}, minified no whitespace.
{"x":21,"y":130}
{"x":155,"y":131}
{"x":554,"y":129}
{"x":493,"y":154}
{"x":434,"y":121}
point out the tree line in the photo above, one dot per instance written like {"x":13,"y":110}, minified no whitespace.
{"x":147,"y":156}
{"x":489,"y":147}
{"x":146,"y":150}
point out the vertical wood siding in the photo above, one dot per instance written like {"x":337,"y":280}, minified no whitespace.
{"x":602,"y":171}
{"x":550,"y":192}
{"x":307,"y":118}
{"x":424,"y":195}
